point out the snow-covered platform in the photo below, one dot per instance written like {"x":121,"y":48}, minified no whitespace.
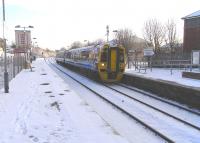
{"x":42,"y":108}
{"x":167,"y":84}
{"x":166,"y":75}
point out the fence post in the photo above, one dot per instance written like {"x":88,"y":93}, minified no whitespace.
{"x":9,"y":62}
{"x":9,"y":69}
{"x":18,"y":63}
{"x":14,"y":66}
{"x":21,"y":63}
{"x":136,"y":64}
{"x":191,"y":67}
{"x":171,"y":67}
{"x":151,"y":63}
{"x":24,"y":62}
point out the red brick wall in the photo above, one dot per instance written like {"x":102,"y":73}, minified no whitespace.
{"x":191,"y":37}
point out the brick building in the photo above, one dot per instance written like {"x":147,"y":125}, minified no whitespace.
{"x":191,"y":32}
{"x":23,"y":38}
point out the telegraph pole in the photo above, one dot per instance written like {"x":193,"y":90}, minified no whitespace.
{"x":107,"y":32}
{"x":6,"y":84}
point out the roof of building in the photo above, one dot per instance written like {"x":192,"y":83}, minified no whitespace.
{"x":193,"y":15}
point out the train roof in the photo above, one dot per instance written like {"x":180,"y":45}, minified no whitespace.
{"x":111,"y":43}
{"x":84,"y":48}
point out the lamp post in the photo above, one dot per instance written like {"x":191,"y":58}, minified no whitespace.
{"x":31,"y":53}
{"x":6,"y":84}
{"x":107,"y":32}
{"x":116,"y":32}
{"x":34,"y":42}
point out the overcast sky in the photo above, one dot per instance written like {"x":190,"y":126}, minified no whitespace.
{"x":58,"y":23}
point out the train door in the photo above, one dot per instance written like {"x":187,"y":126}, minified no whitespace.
{"x":113,"y":60}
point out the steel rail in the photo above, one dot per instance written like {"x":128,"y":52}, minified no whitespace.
{"x":150,"y":106}
{"x":157,"y":98}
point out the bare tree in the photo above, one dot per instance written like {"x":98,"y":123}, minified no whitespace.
{"x":62,"y":49}
{"x":154,"y":33}
{"x":13,"y":45}
{"x":171,"y":39}
{"x":95,"y":42}
{"x":125,"y":38}
{"x":98,"y":41}
{"x":76,"y":44}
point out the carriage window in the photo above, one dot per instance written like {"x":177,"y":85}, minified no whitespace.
{"x":68,"y":55}
{"x":104,"y":56}
{"x":85,"y":55}
{"x":121,"y":56}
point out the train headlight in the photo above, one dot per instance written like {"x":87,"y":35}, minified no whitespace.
{"x":102,"y":64}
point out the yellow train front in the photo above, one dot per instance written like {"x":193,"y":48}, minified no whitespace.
{"x":111,"y":63}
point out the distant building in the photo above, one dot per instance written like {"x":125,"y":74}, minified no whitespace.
{"x":23,"y":39}
{"x":191,"y":32}
{"x":137,"y":49}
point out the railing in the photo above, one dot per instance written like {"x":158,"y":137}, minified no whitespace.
{"x":171,"y":63}
{"x":144,"y":64}
{"x":140,"y":65}
{"x":14,"y":65}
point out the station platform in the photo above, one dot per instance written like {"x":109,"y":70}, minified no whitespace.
{"x":168,"y":75}
{"x":167,"y":84}
{"x":41,"y":107}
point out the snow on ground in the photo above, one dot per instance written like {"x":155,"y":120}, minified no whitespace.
{"x":124,"y":125}
{"x":177,"y":131}
{"x":165,"y":74}
{"x":42,"y":108}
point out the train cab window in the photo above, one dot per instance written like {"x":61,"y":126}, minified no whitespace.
{"x":121,"y":56}
{"x":104,"y":54}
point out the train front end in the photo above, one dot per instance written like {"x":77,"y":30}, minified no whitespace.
{"x":111,"y":64}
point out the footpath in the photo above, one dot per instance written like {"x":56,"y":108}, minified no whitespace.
{"x":41,"y":107}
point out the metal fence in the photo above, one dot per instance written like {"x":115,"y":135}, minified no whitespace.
{"x":14,"y":65}
{"x":164,"y":62}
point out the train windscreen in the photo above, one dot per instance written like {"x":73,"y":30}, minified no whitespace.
{"x":121,"y":56}
{"x":104,"y":55}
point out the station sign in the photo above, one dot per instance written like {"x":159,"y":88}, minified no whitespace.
{"x":148,"y":52}
{"x":20,"y":50}
{"x":196,"y":57}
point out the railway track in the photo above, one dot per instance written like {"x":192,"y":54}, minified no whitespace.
{"x":119,"y":107}
{"x":159,"y":99}
{"x":157,"y":109}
